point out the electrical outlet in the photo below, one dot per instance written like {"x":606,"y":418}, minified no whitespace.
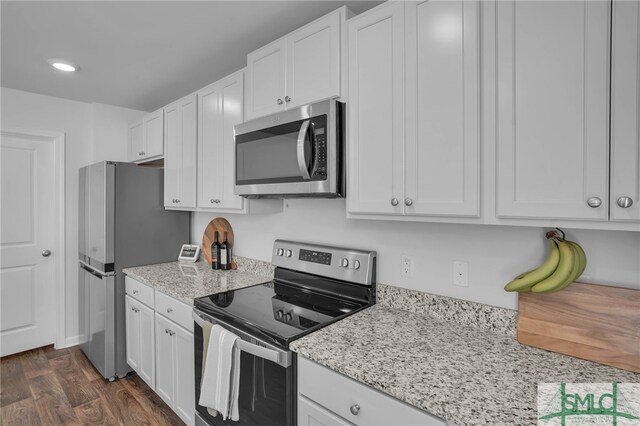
{"x":406,"y":266}
{"x":460,"y":273}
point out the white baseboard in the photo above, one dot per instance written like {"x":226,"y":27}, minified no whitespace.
{"x":71,"y":341}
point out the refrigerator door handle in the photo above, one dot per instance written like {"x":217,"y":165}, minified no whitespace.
{"x":93,"y":271}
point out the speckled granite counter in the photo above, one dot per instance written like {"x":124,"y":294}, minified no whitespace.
{"x":463,"y":374}
{"x":187,"y":281}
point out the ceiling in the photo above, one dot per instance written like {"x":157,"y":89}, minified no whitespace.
{"x":141,"y":54}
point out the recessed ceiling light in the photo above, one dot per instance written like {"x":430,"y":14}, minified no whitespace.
{"x":62,"y":65}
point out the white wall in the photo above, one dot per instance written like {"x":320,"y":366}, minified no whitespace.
{"x":495,"y":253}
{"x":93,"y":132}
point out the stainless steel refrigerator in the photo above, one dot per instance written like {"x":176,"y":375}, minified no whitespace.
{"x":122,"y":223}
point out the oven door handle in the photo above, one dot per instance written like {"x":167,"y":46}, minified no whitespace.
{"x":302,"y":164}
{"x":259,"y":351}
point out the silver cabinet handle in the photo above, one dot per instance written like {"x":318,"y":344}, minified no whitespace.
{"x":302,"y":164}
{"x":169,"y":310}
{"x":133,"y":309}
{"x":408,"y":202}
{"x":594,"y":202}
{"x":355,"y":409}
{"x":166,"y":331}
{"x":394,"y":202}
{"x":171,"y":332}
{"x":215,"y":201}
{"x":46,"y":253}
{"x":287,"y":99}
{"x":279,"y":101}
{"x":135,"y":291}
{"x":623,"y":202}
{"x":177,"y":201}
{"x":141,"y":153}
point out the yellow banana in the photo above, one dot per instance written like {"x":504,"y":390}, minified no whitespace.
{"x":523,"y":282}
{"x":580,"y":266}
{"x":563,"y":273}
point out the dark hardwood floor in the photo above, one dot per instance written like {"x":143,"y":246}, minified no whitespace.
{"x":60,"y":387}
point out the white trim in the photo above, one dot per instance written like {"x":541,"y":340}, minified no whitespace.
{"x":70,"y":341}
{"x":58,"y":140}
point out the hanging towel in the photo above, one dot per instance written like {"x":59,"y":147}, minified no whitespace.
{"x":221,"y":373}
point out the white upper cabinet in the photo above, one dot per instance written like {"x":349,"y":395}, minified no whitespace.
{"x":414,"y":110}
{"x":552,"y":81}
{"x":375,"y":111}
{"x":219,"y":109}
{"x":180,"y":159}
{"x":265,"y":79}
{"x":146,"y":137}
{"x":625,"y":112}
{"x":442,"y":174}
{"x":300,"y":68}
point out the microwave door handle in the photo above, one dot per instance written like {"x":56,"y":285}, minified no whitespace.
{"x":302,"y":164}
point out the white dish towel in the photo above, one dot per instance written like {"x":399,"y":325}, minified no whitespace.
{"x":221,"y":375}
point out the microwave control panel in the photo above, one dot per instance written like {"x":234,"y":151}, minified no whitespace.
{"x":319,"y":129}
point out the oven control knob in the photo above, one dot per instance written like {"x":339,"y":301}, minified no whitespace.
{"x":288,"y":316}
{"x":280,"y":314}
{"x":355,"y":264}
{"x":287,"y":253}
{"x":280,"y":252}
{"x":344,"y":262}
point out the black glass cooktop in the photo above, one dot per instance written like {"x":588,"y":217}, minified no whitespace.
{"x":280,"y":310}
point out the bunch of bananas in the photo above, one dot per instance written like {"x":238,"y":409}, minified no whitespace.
{"x":564,"y":264}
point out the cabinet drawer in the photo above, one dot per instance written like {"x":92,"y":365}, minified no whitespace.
{"x":339,"y":394}
{"x":176,"y":311}
{"x":139,"y":291}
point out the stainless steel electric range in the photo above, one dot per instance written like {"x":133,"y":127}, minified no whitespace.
{"x":314,"y":285}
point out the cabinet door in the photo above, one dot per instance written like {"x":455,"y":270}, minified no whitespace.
{"x":153,"y":134}
{"x":132,"y":325}
{"x":147,"y":370}
{"x":136,"y":141}
{"x":376,"y":111}
{"x":625,"y":111}
{"x":180,"y":134}
{"x":209,"y":148}
{"x":266,"y":79}
{"x":443,"y":134}
{"x":231,"y":100}
{"x":313,"y":62}
{"x":185,"y":375}
{"x":552,"y":108}
{"x":165,"y":360}
{"x":312,"y":414}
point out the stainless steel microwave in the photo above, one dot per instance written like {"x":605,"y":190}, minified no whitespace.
{"x":294,"y":153}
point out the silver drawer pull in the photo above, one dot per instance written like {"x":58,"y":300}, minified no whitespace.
{"x":594,"y":202}
{"x":169,"y":310}
{"x":624,"y":202}
{"x":355,"y":409}
{"x":394,"y":202}
{"x":135,"y":291}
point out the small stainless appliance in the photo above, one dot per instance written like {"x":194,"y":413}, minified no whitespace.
{"x":314,"y":285}
{"x":294,"y":153}
{"x":122,"y":222}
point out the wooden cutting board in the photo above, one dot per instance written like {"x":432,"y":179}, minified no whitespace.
{"x":594,"y":322}
{"x":221,"y":225}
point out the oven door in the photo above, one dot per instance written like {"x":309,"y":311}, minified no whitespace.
{"x":291,"y":153}
{"x":267,"y":381}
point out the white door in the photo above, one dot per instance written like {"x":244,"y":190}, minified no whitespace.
{"x":625,"y":112}
{"x":312,"y":414}
{"x":266,"y":79}
{"x":185,"y":381}
{"x":27,"y":229}
{"x":147,"y":368}
{"x":209,"y":150}
{"x":132,"y":327}
{"x":153,"y":134}
{"x":231,"y":100}
{"x":136,"y":141}
{"x":376,"y":111}
{"x":165,"y":360}
{"x":442,"y":155}
{"x":552,"y":79}
{"x":313,"y":62}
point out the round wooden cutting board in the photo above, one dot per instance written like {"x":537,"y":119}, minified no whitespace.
{"x":221,"y":225}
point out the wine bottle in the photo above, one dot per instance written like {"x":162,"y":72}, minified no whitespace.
{"x":215,"y":252}
{"x":225,"y":254}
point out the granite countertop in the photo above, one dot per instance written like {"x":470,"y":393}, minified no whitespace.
{"x":462,"y":374}
{"x":186,"y":281}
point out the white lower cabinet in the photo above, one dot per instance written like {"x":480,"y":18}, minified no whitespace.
{"x":329,"y":398}
{"x":175,"y":369}
{"x":140,"y":339}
